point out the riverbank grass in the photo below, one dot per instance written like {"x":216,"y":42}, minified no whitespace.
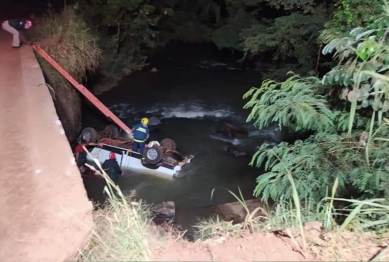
{"x":125,"y":230}
{"x":311,"y":227}
{"x":121,"y":227}
{"x":67,"y":38}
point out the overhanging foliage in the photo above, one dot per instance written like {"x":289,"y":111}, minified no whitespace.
{"x":359,"y":158}
{"x":293,"y":103}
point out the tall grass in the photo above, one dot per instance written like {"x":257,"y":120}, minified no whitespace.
{"x":361,"y":215}
{"x":124,"y":231}
{"x":121,"y":233}
{"x":282,"y":216}
{"x":124,"y":228}
{"x":67,"y":38}
{"x":369,"y":214}
{"x":214,"y":227}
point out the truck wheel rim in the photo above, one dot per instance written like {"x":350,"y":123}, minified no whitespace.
{"x":152,"y":154}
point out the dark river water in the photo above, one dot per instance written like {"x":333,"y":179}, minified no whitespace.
{"x":193,"y":94}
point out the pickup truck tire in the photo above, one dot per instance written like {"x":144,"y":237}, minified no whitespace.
{"x":168,"y":144}
{"x":89,"y":134}
{"x":153,"y":155}
{"x":112,"y":131}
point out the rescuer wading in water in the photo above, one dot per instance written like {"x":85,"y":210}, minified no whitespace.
{"x":112,"y":168}
{"x":80,"y":154}
{"x":140,"y":135}
{"x":19,"y":29}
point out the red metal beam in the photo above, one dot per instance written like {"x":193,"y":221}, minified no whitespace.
{"x":83,"y":90}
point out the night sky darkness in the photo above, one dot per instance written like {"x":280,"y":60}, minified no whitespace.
{"x":23,"y":8}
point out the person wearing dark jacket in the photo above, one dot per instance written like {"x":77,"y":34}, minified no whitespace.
{"x":141,"y":134}
{"x":112,"y":168}
{"x":80,"y":154}
{"x":19,"y":29}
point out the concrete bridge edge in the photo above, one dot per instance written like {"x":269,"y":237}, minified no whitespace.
{"x":45,"y":212}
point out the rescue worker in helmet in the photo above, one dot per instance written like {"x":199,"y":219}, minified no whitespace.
{"x":112,"y":168}
{"x":140,"y":134}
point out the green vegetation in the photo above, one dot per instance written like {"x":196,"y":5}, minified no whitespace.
{"x":66,"y":37}
{"x":124,"y":228}
{"x":291,"y":37}
{"x":345,"y":111}
{"x":286,"y":30}
{"x":283,"y":215}
{"x":349,"y":14}
{"x":258,"y":27}
{"x":351,"y":97}
{"x":293,"y":102}
{"x":126,"y":29}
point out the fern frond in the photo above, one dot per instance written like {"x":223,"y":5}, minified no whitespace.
{"x":292,"y":102}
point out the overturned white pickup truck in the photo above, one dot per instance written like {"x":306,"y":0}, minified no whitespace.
{"x":159,"y":158}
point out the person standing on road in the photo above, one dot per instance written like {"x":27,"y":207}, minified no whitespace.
{"x":141,"y":134}
{"x":19,"y":29}
{"x":112,"y":168}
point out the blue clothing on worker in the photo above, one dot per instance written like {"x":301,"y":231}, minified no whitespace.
{"x":141,"y":146}
{"x":140,"y":135}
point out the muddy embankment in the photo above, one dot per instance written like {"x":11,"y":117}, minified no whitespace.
{"x":67,"y":102}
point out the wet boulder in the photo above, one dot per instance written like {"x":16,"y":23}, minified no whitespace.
{"x":164,"y":212}
{"x":236,"y":152}
{"x":186,"y":216}
{"x":153,"y":121}
{"x":231,"y":130}
{"x":235,"y":212}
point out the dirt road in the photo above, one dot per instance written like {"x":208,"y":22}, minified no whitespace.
{"x":44,"y":212}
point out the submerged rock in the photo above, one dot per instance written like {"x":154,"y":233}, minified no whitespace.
{"x":231,"y":130}
{"x":153,"y":121}
{"x":234,"y":151}
{"x":164,"y":212}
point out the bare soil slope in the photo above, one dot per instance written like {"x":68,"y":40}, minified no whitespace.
{"x":45,"y":214}
{"x":276,"y":247}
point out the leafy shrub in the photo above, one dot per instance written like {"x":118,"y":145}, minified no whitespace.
{"x":293,"y":103}
{"x":67,"y":38}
